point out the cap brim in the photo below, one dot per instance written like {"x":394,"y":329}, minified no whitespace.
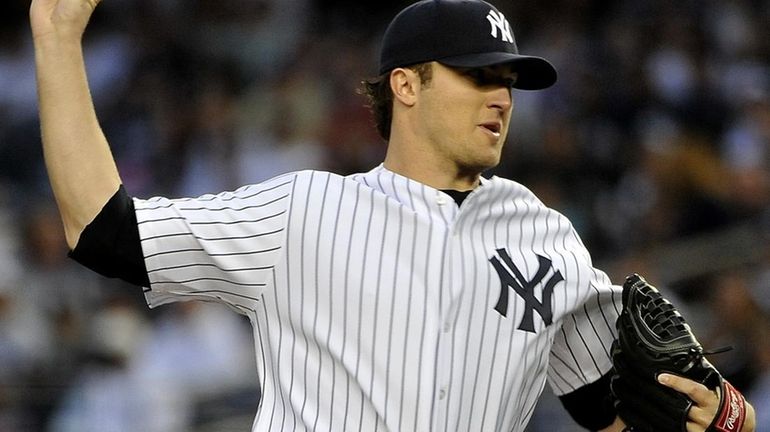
{"x":535,"y":73}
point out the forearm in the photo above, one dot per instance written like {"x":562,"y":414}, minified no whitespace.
{"x":80,"y":165}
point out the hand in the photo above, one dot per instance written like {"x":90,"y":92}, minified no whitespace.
{"x":60,"y":18}
{"x":705,"y":403}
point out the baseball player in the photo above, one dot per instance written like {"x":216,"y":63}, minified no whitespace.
{"x":418,"y":296}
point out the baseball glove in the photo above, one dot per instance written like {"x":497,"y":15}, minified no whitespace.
{"x":653,"y":338}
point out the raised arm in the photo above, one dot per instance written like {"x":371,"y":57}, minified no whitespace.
{"x":80,"y":165}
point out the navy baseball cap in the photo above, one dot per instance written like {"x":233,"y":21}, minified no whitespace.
{"x":460,"y":33}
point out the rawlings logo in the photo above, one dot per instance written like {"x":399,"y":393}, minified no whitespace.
{"x":735,"y":412}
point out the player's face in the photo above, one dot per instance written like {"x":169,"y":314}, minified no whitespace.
{"x":466,"y":113}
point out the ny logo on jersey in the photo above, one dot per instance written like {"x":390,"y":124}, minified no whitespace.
{"x":498,"y":22}
{"x":526,"y":289}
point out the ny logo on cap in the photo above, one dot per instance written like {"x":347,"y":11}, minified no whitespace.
{"x":498,"y":22}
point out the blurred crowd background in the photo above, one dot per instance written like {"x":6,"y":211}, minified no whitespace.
{"x":655,"y":142}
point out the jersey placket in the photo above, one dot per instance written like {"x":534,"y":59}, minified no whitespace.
{"x":451,"y":290}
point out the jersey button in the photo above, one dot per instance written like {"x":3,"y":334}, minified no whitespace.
{"x":447,"y":327}
{"x":440,"y":198}
{"x":442,"y":393}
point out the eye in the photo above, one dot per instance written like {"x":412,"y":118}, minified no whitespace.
{"x":509,"y":81}
{"x":478,"y":76}
{"x":503,"y":78}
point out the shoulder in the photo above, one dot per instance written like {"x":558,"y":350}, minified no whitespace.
{"x":280,"y":186}
{"x":510,"y":189}
{"x":521,"y":207}
{"x":514,"y":192}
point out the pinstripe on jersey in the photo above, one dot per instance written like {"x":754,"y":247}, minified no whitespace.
{"x":373,"y":298}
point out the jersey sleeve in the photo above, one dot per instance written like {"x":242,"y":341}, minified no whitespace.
{"x":216,"y":247}
{"x":580,"y":354}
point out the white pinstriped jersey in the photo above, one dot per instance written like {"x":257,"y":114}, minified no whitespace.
{"x":379,"y":304}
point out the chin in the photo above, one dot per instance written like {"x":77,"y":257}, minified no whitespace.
{"x":490,"y":161}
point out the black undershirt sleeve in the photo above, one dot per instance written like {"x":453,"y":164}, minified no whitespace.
{"x":592,"y":406}
{"x":110,"y":244}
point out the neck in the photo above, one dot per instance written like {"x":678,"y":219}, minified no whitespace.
{"x":423,"y":169}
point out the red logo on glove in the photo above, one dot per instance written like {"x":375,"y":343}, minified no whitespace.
{"x":734,"y":412}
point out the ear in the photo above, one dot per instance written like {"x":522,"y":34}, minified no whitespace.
{"x":405,"y":85}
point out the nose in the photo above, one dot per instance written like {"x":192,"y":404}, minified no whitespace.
{"x":500,"y":98}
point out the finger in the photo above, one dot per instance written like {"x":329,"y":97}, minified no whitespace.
{"x":696,"y":391}
{"x":93,"y":3}
{"x":700,"y":416}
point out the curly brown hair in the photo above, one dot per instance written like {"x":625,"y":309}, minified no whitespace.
{"x":380,"y":96}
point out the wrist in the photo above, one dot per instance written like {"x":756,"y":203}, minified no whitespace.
{"x":617,"y":426}
{"x":56,"y":52}
{"x":56,"y":41}
{"x":751,"y":420}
